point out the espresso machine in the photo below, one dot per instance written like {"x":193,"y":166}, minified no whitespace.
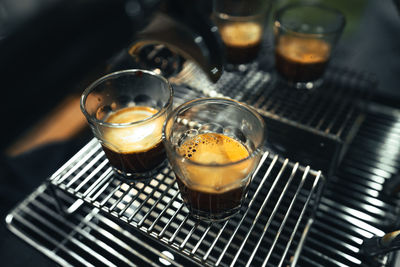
{"x":61,"y":52}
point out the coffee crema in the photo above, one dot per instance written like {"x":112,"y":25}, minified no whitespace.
{"x":137,"y":148}
{"x":242,"y":41}
{"x":214,"y":189}
{"x":301,"y":59}
{"x":214,"y":149}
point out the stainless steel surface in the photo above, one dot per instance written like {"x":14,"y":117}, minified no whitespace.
{"x":380,"y":245}
{"x":352,"y":208}
{"x":301,"y":124}
{"x":271,"y":225}
{"x":84,"y":238}
{"x":330,"y":112}
{"x":354,"y":205}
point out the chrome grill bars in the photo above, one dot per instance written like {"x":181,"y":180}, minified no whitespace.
{"x":334,"y":239}
{"x":86,"y":238}
{"x":281,"y":200}
{"x":330,"y":111}
{"x":354,"y":205}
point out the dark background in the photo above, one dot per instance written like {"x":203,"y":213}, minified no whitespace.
{"x":51,"y":48}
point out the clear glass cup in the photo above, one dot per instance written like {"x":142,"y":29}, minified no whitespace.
{"x":305,"y":36}
{"x":213,"y":146}
{"x":241,"y":25}
{"x":126,"y":111}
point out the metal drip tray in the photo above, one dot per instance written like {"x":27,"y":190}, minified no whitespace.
{"x":102,"y":220}
{"x":85,"y":238}
{"x":269,"y":230}
{"x":352,"y":207}
{"x":301,"y":124}
{"x":328,"y":110}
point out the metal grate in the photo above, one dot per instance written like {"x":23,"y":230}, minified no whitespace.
{"x":312,"y":127}
{"x":329,"y":111}
{"x":269,"y":230}
{"x":84,"y":238}
{"x":352,"y":207}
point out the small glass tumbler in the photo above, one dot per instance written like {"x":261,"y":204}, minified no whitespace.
{"x":305,"y":36}
{"x":126,"y":111}
{"x":241,"y":25}
{"x":213,"y":146}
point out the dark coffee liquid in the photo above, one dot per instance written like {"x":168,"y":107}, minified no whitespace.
{"x":214,"y":192}
{"x":212,"y":204}
{"x":242,"y":54}
{"x":134,"y":150}
{"x":301,"y":60}
{"x":136,"y":162}
{"x":242,"y":41}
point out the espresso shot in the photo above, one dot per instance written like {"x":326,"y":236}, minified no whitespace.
{"x":305,"y":36}
{"x":301,"y":59}
{"x":242,"y":41}
{"x":134,"y":150}
{"x":241,"y":26}
{"x":126,"y":111}
{"x":214,"y":146}
{"x":214,"y":192}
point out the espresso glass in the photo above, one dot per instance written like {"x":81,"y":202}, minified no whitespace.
{"x":241,"y":25}
{"x":213,"y":146}
{"x":126,"y":111}
{"x":305,"y":36}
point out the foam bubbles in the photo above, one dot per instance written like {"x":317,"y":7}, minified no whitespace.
{"x":213,"y":148}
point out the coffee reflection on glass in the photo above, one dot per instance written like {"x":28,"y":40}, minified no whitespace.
{"x":301,"y":59}
{"x":305,"y":36}
{"x":241,"y":25}
{"x":126,"y":111}
{"x":214,"y":146}
{"x":242,"y":41}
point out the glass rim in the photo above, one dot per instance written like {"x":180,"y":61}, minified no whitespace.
{"x":262,"y":11}
{"x":104,"y":78}
{"x":336,"y":30}
{"x":218,"y":100}
{"x":244,"y":18}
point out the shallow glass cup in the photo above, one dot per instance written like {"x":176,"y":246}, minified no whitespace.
{"x":126,"y":111}
{"x":241,"y":25}
{"x":214,"y":146}
{"x":305,"y":36}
